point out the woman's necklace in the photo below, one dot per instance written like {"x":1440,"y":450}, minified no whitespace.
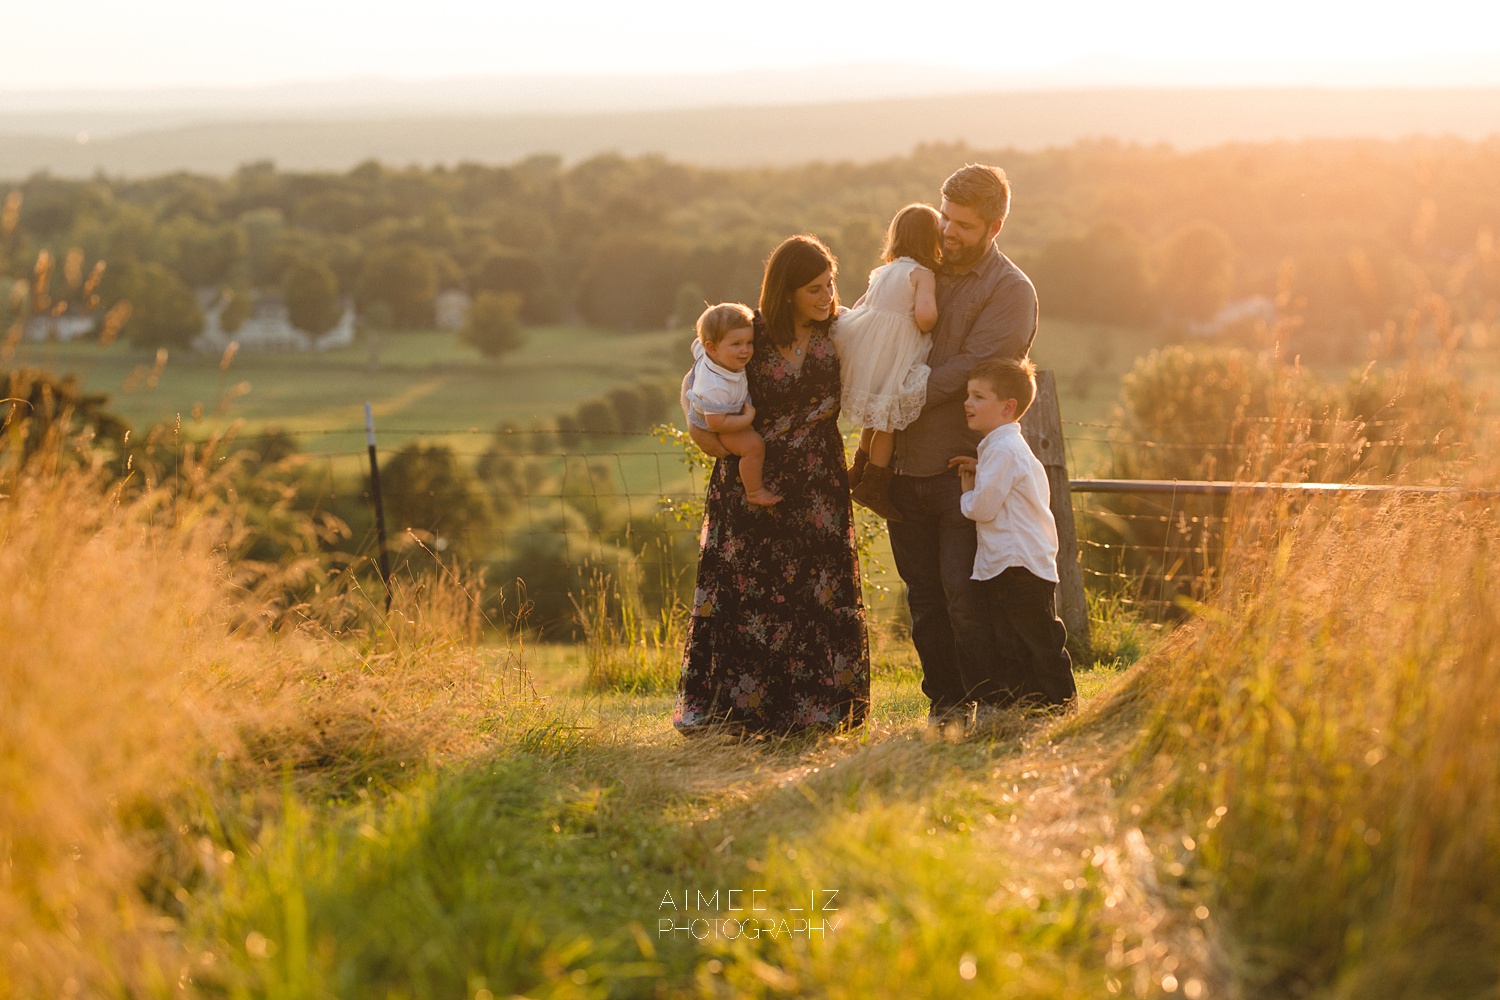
{"x":800,"y":343}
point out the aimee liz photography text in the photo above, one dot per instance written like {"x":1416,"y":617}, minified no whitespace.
{"x":748,"y":912}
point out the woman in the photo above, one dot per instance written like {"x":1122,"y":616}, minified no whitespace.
{"x":778,"y":640}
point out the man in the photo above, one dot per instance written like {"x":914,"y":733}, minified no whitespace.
{"x":987,"y":308}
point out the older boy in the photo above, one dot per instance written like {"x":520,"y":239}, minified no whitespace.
{"x":1005,"y":494}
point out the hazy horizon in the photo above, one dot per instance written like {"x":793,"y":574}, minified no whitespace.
{"x":80,"y":144}
{"x":585,"y":92}
{"x":168,"y":84}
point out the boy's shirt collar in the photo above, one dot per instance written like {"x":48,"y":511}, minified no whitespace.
{"x":701,"y":354}
{"x":994,"y":436}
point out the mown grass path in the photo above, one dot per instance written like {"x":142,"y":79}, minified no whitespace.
{"x":595,"y":853}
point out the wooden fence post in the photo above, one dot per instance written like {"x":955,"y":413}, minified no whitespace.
{"x":385,"y":557}
{"x":1042,"y":428}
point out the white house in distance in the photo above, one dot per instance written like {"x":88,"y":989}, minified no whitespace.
{"x":451,"y":309}
{"x":63,"y":328}
{"x":267,"y":328}
{"x":1241,"y":313}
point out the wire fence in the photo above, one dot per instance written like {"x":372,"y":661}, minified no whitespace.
{"x":558,"y":516}
{"x":552,"y":509}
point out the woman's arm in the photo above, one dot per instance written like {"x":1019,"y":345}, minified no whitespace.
{"x":724,"y":423}
{"x":925,"y":310}
{"x":707,"y":441}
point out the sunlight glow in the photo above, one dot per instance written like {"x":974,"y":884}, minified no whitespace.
{"x":1083,"y":42}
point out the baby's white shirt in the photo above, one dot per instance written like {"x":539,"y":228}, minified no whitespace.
{"x":715,"y":389}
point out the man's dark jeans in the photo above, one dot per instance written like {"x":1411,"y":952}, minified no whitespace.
{"x":934,"y":546}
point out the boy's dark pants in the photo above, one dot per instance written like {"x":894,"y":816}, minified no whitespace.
{"x":1029,"y":663}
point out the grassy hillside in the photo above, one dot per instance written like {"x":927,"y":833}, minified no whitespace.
{"x":1294,"y":795}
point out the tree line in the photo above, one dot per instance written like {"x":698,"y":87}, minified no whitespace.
{"x":1347,"y":232}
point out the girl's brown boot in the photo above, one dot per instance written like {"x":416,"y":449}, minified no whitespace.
{"x":874,"y":491}
{"x":857,"y":468}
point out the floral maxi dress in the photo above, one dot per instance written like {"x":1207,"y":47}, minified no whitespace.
{"x":778,"y":641}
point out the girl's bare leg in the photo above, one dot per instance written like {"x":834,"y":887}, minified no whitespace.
{"x":881,"y":447}
{"x":751,"y":449}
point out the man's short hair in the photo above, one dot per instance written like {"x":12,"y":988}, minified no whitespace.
{"x":1010,"y":378}
{"x":981,"y":187}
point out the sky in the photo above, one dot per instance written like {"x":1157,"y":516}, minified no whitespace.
{"x":107,"y":45}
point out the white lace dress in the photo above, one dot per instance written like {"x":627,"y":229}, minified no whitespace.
{"x":882,"y":354}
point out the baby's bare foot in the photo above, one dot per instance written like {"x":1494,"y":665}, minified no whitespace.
{"x":762,"y":498}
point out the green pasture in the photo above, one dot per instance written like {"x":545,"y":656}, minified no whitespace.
{"x":424,"y":384}
{"x":431,"y":386}
{"x":430,"y":382}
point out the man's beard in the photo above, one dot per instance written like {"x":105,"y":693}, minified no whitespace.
{"x":965,"y":257}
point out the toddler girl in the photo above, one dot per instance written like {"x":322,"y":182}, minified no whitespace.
{"x":882,"y":346}
{"x":718,"y":393}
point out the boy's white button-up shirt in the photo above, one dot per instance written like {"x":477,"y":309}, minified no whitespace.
{"x":1010,"y":506}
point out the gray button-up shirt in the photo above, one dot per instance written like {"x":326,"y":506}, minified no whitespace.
{"x":986,"y":312}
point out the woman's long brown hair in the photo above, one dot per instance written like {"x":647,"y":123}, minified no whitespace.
{"x":795,"y":263}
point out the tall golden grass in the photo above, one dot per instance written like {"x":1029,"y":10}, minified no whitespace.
{"x":108,"y":608}
{"x":1327,"y":733}
{"x":143,"y":686}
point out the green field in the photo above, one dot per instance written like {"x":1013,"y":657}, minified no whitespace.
{"x":430,"y":385}
{"x":421,"y":384}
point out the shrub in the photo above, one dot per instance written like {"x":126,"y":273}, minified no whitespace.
{"x":1226,"y":414}
{"x":429,"y":491}
{"x":547,"y":561}
{"x":626,"y":402}
{"x":493,"y":326}
{"x":50,"y":417}
{"x":597,"y":418}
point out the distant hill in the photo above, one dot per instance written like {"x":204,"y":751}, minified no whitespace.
{"x":746,"y":136}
